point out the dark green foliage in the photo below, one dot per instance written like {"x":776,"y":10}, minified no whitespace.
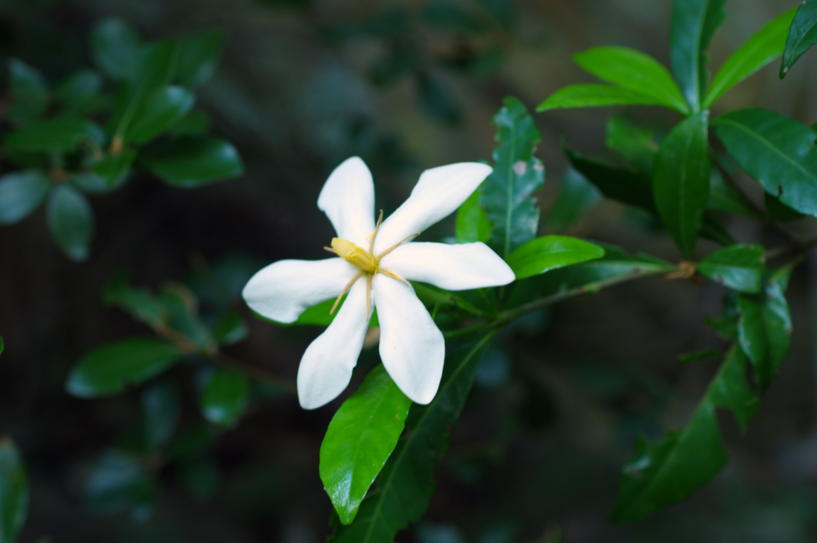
{"x":20,"y":194}
{"x":13,"y":491}
{"x":802,"y":35}
{"x":547,"y":253}
{"x":739,"y":267}
{"x":224,"y":397}
{"x":71,"y":221}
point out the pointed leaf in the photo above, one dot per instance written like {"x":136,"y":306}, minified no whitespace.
{"x":802,"y":35}
{"x":739,"y":267}
{"x":21,"y":193}
{"x":549,"y":253}
{"x":681,"y":180}
{"x":634,"y":71}
{"x":507,"y":192}
{"x":224,"y":397}
{"x":71,"y":221}
{"x":13,"y":491}
{"x":192,"y":163}
{"x":758,"y":51}
{"x":777,"y":151}
{"x":158,"y":111}
{"x":198,"y":56}
{"x":595,"y":95}
{"x":693,"y":23}
{"x":359,"y":440}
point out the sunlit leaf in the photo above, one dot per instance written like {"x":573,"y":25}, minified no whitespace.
{"x":595,"y":95}
{"x":547,"y":253}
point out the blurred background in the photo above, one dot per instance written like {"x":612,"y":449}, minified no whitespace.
{"x":561,"y":398}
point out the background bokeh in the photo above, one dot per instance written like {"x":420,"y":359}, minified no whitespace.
{"x":406,"y":85}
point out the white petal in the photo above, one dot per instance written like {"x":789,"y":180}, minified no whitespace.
{"x":450,"y":266}
{"x":284,"y":289}
{"x":411,"y":346}
{"x":347,"y":198}
{"x":327,"y":364}
{"x":438,"y":193}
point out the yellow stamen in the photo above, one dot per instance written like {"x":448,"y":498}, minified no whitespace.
{"x":346,"y":289}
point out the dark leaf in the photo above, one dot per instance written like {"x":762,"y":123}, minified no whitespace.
{"x":224,"y":397}
{"x":159,"y":110}
{"x":58,"y":135}
{"x":635,"y":143}
{"x":576,"y":197}
{"x":13,"y":491}
{"x":28,"y":90}
{"x":119,"y":481}
{"x":197,"y":58}
{"x":20,"y":194}
{"x":739,"y":267}
{"x":194,"y":162}
{"x":71,"y":221}
{"x":116,"y":49}
{"x":161,"y":409}
{"x":79,"y":91}
{"x":802,"y":35}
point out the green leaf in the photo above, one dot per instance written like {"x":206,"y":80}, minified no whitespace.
{"x":472,"y":222}
{"x":634,"y":71}
{"x":764,"y":328}
{"x":758,"y":51}
{"x":778,"y":211}
{"x":114,"y":167}
{"x":549,"y":253}
{"x":13,"y":491}
{"x":681,"y":180}
{"x":20,"y":194}
{"x":739,"y":267}
{"x":507,"y":192}
{"x":724,"y":197}
{"x":58,"y":135}
{"x":197,"y":58}
{"x":91,"y":183}
{"x":2,"y":344}
{"x":109,"y":369}
{"x":79,"y":91}
{"x":194,"y":162}
{"x":594,"y":95}
{"x":616,"y":183}
{"x":158,"y":111}
{"x":575,"y":198}
{"x":28,"y":90}
{"x":141,"y":304}
{"x":668,"y":471}
{"x":693,"y":23}
{"x":405,"y":485}
{"x":224,"y":397}
{"x":777,"y":151}
{"x":116,"y":48}
{"x":119,"y":481}
{"x":161,"y":408}
{"x":70,"y":221}
{"x":635,"y":143}
{"x":360,"y":438}
{"x":802,"y":35}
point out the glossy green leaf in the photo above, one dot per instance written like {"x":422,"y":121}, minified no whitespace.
{"x":575,"y":198}
{"x":668,"y":471}
{"x":161,"y":409}
{"x":405,"y":485}
{"x":116,"y":48}
{"x":58,"y":135}
{"x":71,"y":221}
{"x":547,"y":253}
{"x":634,"y":71}
{"x":28,"y":90}
{"x":197,"y":58}
{"x":21,"y":193}
{"x":13,"y":491}
{"x":472,"y":222}
{"x":180,"y":312}
{"x":224,"y":397}
{"x":109,"y":369}
{"x":635,"y":143}
{"x":802,"y":35}
{"x":739,"y":267}
{"x":141,"y":304}
{"x":360,"y":438}
{"x":194,"y":162}
{"x":158,"y":111}
{"x":507,"y":192}
{"x":777,"y":151}
{"x":758,"y":51}
{"x":114,"y":167}
{"x":79,"y":90}
{"x":681,"y":180}
{"x":693,"y":23}
{"x":595,"y":95}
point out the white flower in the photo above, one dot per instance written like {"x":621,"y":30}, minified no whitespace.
{"x":373,"y":265}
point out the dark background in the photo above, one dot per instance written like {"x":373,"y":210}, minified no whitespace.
{"x":407,"y":86}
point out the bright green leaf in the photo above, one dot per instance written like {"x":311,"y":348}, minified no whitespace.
{"x":116,"y":49}
{"x":595,"y":95}
{"x":224,"y":397}
{"x":681,"y":180}
{"x":13,"y":491}
{"x":507,"y":192}
{"x":161,"y":408}
{"x":693,"y":23}
{"x":549,"y":253}
{"x":58,"y":135}
{"x":739,"y":267}
{"x":777,"y":151}
{"x":20,"y":194}
{"x":194,"y":162}
{"x":157,"y":111}
{"x":197,"y":58}
{"x":71,"y":221}
{"x":758,"y":51}
{"x":79,"y":91}
{"x":28,"y":90}
{"x":634,"y":71}
{"x":109,"y":369}
{"x":802,"y":35}
{"x":359,"y":440}
{"x":472,"y":222}
{"x":575,"y":198}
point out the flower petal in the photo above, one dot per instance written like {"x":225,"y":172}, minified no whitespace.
{"x":327,"y":364}
{"x":347,"y":198}
{"x":284,"y":289}
{"x":438,"y":193}
{"x":450,"y":266}
{"x":411,"y":346}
